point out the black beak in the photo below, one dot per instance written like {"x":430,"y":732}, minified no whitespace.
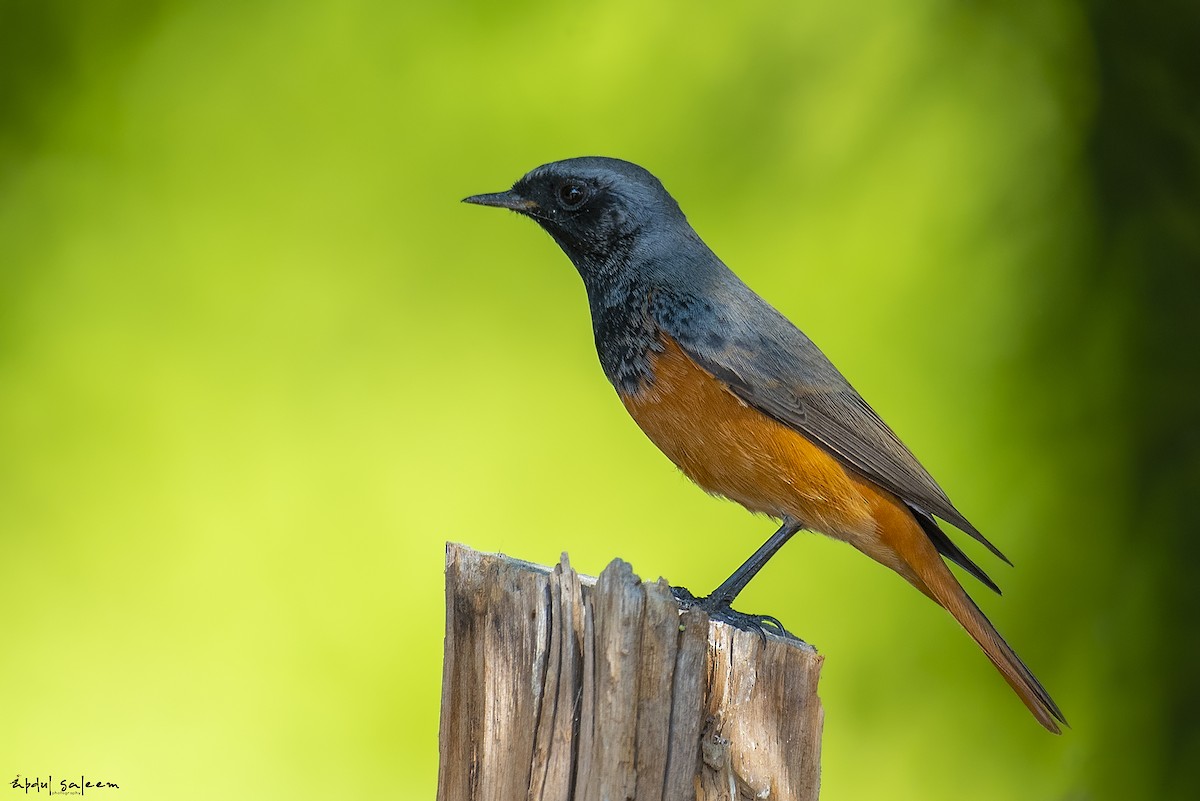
{"x":503,"y":200}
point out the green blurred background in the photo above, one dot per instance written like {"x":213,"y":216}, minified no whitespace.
{"x":257,"y":364}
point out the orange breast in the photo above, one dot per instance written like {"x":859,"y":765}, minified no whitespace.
{"x":732,"y":449}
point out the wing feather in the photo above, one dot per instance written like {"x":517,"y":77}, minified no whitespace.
{"x":778,"y":370}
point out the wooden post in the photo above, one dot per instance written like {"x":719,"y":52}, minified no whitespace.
{"x":557,"y":687}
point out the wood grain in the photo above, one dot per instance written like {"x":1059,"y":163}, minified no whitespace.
{"x":557,"y":687}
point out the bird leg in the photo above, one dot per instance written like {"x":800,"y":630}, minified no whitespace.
{"x":722,"y":597}
{"x":719,"y":603}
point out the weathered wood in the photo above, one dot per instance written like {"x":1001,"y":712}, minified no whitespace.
{"x":559,"y":687}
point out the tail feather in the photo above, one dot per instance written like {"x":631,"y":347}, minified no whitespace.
{"x":906,"y":545}
{"x":941,"y":585}
{"x":947,"y":548}
{"x":956,"y":601}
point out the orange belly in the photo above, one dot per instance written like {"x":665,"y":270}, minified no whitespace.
{"x":734,"y":450}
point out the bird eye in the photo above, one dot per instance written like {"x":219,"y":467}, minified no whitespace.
{"x":572,"y":195}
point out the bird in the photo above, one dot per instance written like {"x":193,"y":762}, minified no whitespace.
{"x":743,"y":402}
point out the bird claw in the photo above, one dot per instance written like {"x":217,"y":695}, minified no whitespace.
{"x":722,"y":611}
{"x":684,"y":596}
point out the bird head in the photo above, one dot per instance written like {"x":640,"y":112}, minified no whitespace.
{"x":599,"y":210}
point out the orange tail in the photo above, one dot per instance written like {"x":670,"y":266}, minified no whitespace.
{"x":903,"y":535}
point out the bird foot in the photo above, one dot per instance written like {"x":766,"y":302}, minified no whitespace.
{"x":719,"y":609}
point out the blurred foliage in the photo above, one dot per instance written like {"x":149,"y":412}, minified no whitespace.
{"x":257,"y":364}
{"x":1131,"y":308}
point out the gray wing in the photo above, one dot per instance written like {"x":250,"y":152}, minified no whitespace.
{"x":775,"y":368}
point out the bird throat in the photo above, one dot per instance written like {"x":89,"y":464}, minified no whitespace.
{"x":626,"y":334}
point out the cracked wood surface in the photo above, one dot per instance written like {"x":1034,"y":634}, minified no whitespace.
{"x":558,"y":687}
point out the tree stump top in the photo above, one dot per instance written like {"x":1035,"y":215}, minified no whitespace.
{"x":558,"y":686}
